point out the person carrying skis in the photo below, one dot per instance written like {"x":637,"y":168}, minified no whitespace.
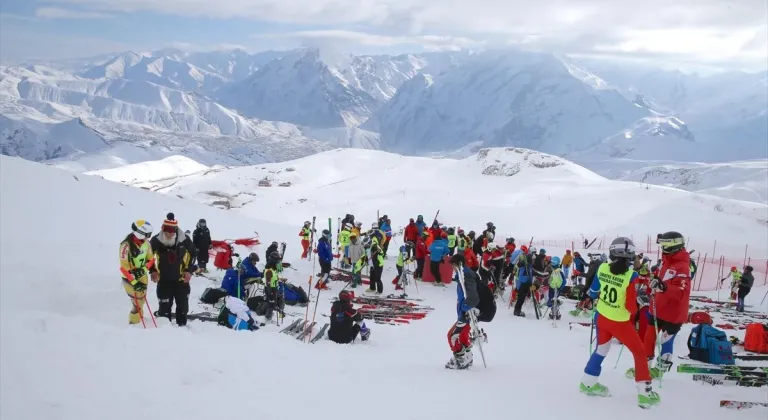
{"x":325,"y":258}
{"x":173,"y":257}
{"x":669,"y":301}
{"x":460,"y":334}
{"x":306,"y":234}
{"x":524,"y":280}
{"x":566,"y":263}
{"x":270,"y":249}
{"x":386,"y":228}
{"x":201,"y":238}
{"x":437,"y":251}
{"x":451,"y":241}
{"x":344,"y":245}
{"x":402,"y":257}
{"x":421,"y":253}
{"x":377,"y":264}
{"x":745,"y":286}
{"x":136,"y":260}
{"x":557,"y":284}
{"x":614,"y":284}
{"x":346,"y":321}
{"x":411,"y":234}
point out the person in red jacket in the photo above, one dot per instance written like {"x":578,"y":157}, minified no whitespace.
{"x":470,"y":259}
{"x":411,"y":234}
{"x":421,"y":253}
{"x":669,"y":303}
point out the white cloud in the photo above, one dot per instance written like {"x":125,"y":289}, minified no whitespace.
{"x":59,"y":13}
{"x":341,"y":37}
{"x":576,"y":26}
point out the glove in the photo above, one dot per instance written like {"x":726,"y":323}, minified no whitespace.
{"x":473,"y":311}
{"x":138,"y":273}
{"x":643,"y":301}
{"x":658,"y":285}
{"x":138,"y":286}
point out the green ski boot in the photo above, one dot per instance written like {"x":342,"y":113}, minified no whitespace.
{"x":597,"y":390}
{"x":646,"y":397}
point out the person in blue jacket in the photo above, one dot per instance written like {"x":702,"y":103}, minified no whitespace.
{"x":246,"y":274}
{"x":459,"y":336}
{"x":523,"y":285}
{"x":437,"y":251}
{"x":579,"y":263}
{"x":325,"y":257}
{"x":421,"y":224}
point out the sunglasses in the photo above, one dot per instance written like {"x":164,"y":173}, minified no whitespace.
{"x":169,"y":229}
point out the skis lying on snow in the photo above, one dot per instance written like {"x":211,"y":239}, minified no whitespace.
{"x":727,"y":380}
{"x":320,"y":334}
{"x":730,"y":370}
{"x":740,"y":405}
{"x":745,"y":357}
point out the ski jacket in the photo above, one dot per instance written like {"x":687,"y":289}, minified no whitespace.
{"x":557,"y":280}
{"x":465,"y":303}
{"x":387,"y":229}
{"x":343,"y":318}
{"x":672,"y":304}
{"x":324,"y":250}
{"x":355,"y":250}
{"x":509,"y":249}
{"x":249,"y":270}
{"x":377,"y":257}
{"x":478,"y":245}
{"x":524,"y":265}
{"x":435,"y":232}
{"x":538,"y":263}
{"x":438,"y":250}
{"x":629,"y":306}
{"x":411,"y":232}
{"x":421,"y":226}
{"x":421,"y":249}
{"x":579,"y":263}
{"x":470,"y":259}
{"x":305,"y":233}
{"x":270,"y":249}
{"x":230,"y":283}
{"x":171,"y":261}
{"x":567,"y":260}
{"x":344,"y":238}
{"x":201,"y":238}
{"x":747,"y":279}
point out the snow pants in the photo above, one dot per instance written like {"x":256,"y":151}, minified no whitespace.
{"x":419,"y":268}
{"x":640,"y":320}
{"x":522,"y":292}
{"x":742,"y":293}
{"x":167,"y":293}
{"x":376,"y":283}
{"x":667,"y":330}
{"x":606,"y":329}
{"x":459,"y":337}
{"x":325,"y":270}
{"x":305,"y":248}
{"x":202,"y":258}
{"x":434,"y":267}
{"x":138,"y":300}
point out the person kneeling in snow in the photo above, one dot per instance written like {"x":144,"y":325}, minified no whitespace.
{"x":346,"y":321}
{"x":236,"y":315}
{"x":459,"y":336}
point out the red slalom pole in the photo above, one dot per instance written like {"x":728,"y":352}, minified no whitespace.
{"x":138,"y":308}
{"x":151,"y":315}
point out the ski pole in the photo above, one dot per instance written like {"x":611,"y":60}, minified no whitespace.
{"x":151,"y":315}
{"x":138,"y":308}
{"x":619,"y":358}
{"x":658,"y":339}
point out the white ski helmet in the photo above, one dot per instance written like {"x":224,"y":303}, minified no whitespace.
{"x":142,"y":229}
{"x":348,"y":226}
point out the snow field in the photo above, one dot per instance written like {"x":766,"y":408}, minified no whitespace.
{"x":66,"y":351}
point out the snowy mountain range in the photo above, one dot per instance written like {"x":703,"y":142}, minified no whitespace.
{"x":233,"y":107}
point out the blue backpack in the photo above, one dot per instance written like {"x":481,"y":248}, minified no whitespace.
{"x":709,"y":345}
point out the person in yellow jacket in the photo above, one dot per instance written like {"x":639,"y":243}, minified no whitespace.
{"x":136,"y":260}
{"x":566,"y":263}
{"x":344,"y":235}
{"x":357,"y":229}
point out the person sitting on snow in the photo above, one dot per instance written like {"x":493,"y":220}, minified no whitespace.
{"x":236,"y":315}
{"x":346,"y":321}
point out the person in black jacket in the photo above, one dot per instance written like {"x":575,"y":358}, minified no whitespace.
{"x":745,"y":286}
{"x":173,"y":260}
{"x":272,"y":248}
{"x":201,"y":237}
{"x":346,"y":321}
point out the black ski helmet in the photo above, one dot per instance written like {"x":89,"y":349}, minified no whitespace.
{"x":510,"y":240}
{"x":275,"y":256}
{"x":471,"y":234}
{"x":670,"y":242}
{"x":451,"y":231}
{"x":345,"y":296}
{"x":457,"y":259}
{"x":622,"y":247}
{"x":254,"y":257}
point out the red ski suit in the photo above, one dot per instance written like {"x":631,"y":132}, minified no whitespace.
{"x":411,"y":232}
{"x":675,"y":272}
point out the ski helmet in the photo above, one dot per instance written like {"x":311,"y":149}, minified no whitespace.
{"x":326,"y":233}
{"x":420,"y":218}
{"x":374,"y":225}
{"x":201,"y":223}
{"x":345,"y":296}
{"x":366,"y":242}
{"x":622,"y":247}
{"x":543,"y":251}
{"x":670,"y":242}
{"x":141,"y":229}
{"x":359,"y":224}
{"x":254,"y":257}
{"x":748,"y":268}
{"x":555,"y":262}
{"x":461,"y":231}
{"x":734,"y":269}
{"x":471,"y":234}
{"x":451,"y":231}
{"x":274,"y":256}
{"x":457,"y":259}
{"x":524,"y":248}
{"x":489,"y":225}
{"x":532,"y":250}
{"x":307,"y":223}
{"x":510,"y":240}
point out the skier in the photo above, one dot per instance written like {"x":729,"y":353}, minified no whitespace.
{"x":451,"y":241}
{"x":136,"y":259}
{"x":421,"y":224}
{"x":411,"y":234}
{"x":463,"y":241}
{"x":402,"y":257}
{"x":490,"y":266}
{"x":377,"y":264}
{"x":421,"y":253}
{"x":173,"y":256}
{"x":355,"y":249}
{"x":386,"y":228}
{"x":325,"y":258}
{"x":508,"y":268}
{"x":614,"y":283}
{"x":344,"y":244}
{"x":237,"y":316}
{"x":235,"y":280}
{"x":735,"y":280}
{"x":270,"y":249}
{"x":272,"y":282}
{"x":460,"y":334}
{"x":306,"y":234}
{"x":745,"y":286}
{"x":346,"y":321}
{"x":578,"y":264}
{"x":524,"y":280}
{"x":470,"y":259}
{"x":557,"y":284}
{"x":437,"y":251}
{"x":201,"y":238}
{"x":670,"y":300}
{"x":566,"y":263}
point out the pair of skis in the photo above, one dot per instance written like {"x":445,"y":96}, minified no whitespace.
{"x":302,"y":329}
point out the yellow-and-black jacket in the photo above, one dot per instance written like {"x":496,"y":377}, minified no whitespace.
{"x":135,"y":260}
{"x":172,"y":261}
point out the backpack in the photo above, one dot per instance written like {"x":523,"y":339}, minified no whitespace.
{"x":487,"y":304}
{"x":756,"y":338}
{"x":293,"y":295}
{"x":212,"y":295}
{"x":709,"y":345}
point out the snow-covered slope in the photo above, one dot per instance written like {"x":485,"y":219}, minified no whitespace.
{"x":522,"y":99}
{"x":80,"y":312}
{"x":504,"y":185}
{"x":170,"y":167}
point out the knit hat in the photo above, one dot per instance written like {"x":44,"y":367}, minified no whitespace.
{"x":170,"y":224}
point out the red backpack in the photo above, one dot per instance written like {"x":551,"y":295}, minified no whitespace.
{"x":756,"y":338}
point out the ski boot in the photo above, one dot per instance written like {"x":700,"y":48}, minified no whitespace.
{"x":520,"y":314}
{"x":646,"y":397}
{"x":461,"y":360}
{"x":370,"y":290}
{"x":591,"y":387}
{"x":365,"y":332}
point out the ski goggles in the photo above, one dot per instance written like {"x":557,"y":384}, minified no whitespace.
{"x":169,"y":229}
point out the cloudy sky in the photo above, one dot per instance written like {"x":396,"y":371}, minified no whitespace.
{"x":731,"y":33}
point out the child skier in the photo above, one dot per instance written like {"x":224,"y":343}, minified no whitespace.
{"x":346,"y":321}
{"x":344,"y":236}
{"x":325,"y":257}
{"x":399,"y":281}
{"x":614,"y":283}
{"x":556,"y":288}
{"x":460,"y":334}
{"x":305,"y":233}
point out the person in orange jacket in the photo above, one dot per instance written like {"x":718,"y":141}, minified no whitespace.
{"x":566,"y":262}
